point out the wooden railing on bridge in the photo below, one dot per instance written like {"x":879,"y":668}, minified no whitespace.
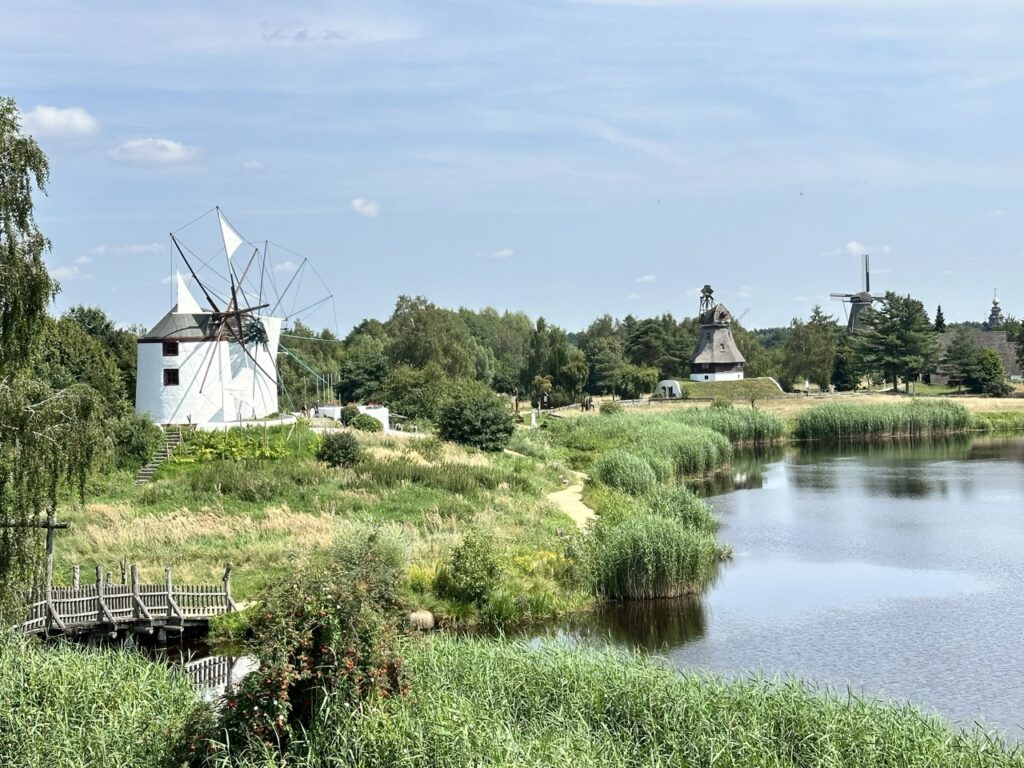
{"x":104,"y":606}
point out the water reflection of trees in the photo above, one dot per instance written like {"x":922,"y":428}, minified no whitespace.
{"x":650,"y":625}
{"x":746,"y":470}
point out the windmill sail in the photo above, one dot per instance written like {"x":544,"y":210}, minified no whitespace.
{"x":232,"y":240}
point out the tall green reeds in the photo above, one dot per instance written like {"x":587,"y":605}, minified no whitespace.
{"x":740,"y":425}
{"x":496,"y":703}
{"x":647,"y":556}
{"x":62,"y":707}
{"x":849,"y":421}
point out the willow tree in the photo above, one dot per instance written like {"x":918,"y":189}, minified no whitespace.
{"x":47,"y":438}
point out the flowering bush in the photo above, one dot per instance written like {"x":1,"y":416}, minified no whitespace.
{"x":329,"y":632}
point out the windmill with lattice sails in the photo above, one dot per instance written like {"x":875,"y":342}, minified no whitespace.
{"x":859,"y":301}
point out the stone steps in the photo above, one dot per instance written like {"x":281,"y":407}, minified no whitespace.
{"x":171,"y":441}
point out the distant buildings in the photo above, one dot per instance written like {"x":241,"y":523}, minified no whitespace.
{"x":990,"y":336}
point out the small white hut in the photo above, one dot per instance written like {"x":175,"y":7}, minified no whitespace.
{"x":190,"y":371}
{"x":668,"y":389}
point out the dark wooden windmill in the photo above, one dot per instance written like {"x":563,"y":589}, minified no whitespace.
{"x":858,"y":301}
{"x":716,"y":356}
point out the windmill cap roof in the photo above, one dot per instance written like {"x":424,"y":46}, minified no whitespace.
{"x":181,"y":326}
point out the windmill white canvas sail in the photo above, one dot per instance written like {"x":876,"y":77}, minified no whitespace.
{"x":216,"y":364}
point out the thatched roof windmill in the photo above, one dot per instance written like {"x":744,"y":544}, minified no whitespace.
{"x":716,"y":356}
{"x":858,"y":301}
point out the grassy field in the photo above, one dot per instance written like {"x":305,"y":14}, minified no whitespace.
{"x":268,"y":515}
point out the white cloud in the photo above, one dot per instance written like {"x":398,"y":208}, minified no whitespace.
{"x":645,"y":279}
{"x":168,"y":279}
{"x":155,"y":151}
{"x":503,"y":253}
{"x":364,"y":207}
{"x":134,"y":249}
{"x":633,"y":296}
{"x":744,"y":292}
{"x":286,"y":266}
{"x":59,"y":122}
{"x":71,"y":272}
{"x":252,"y":165}
{"x":339,"y":31}
{"x":86,"y":259}
{"x":853,"y":248}
{"x":997,"y":212}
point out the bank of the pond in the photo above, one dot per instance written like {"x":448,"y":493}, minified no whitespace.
{"x":499,"y":703}
{"x":473,"y":701}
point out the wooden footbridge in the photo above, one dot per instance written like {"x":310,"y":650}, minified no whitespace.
{"x":104,"y":607}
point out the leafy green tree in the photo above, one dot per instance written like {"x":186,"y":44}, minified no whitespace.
{"x":987,"y":375}
{"x":120,"y":345}
{"x":420,"y":332}
{"x":363,"y":368}
{"x":897,"y":339}
{"x":418,"y":393}
{"x":475,"y":416}
{"x":67,"y":355}
{"x":47,"y":438}
{"x":635,"y":381}
{"x":810,"y":349}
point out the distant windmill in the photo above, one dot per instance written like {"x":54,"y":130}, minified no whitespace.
{"x":858,"y":301}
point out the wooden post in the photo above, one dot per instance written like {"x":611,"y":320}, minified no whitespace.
{"x":76,"y":576}
{"x":99,"y":594}
{"x":124,"y":571}
{"x":136,"y":599}
{"x":227,"y":588}
{"x":167,"y":586}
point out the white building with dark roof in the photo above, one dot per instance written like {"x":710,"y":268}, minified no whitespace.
{"x":715,"y":356}
{"x":191,"y":372}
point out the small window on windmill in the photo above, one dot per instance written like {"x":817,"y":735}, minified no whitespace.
{"x":170,"y":377}
{"x":170,"y":349}
{"x":721,"y":346}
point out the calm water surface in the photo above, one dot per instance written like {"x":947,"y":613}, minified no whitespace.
{"x":895,"y":570}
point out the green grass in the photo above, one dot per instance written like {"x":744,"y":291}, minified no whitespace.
{"x":740,"y":425}
{"x":497,"y":703}
{"x":760,"y":389}
{"x":668,"y":445}
{"x":65,"y":707}
{"x":847,"y":421}
{"x":999,"y":421}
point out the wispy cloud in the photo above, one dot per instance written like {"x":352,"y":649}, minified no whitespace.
{"x":744,"y":292}
{"x":252,"y":165}
{"x":83,"y":259}
{"x":633,"y":296}
{"x":286,"y":266}
{"x":154,"y":151}
{"x":69,"y":272}
{"x":365,"y":207}
{"x":645,"y":279}
{"x":134,"y":249}
{"x":59,"y":122}
{"x":997,"y":212}
{"x":339,"y":31}
{"x":852,"y":248}
{"x":502,"y":253}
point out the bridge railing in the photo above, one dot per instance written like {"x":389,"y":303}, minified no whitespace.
{"x":103,"y":604}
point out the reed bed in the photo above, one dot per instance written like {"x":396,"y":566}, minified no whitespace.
{"x":497,"y":703}
{"x":740,"y":425}
{"x":847,"y":421}
{"x":68,"y":708}
{"x":674,"y":450}
{"x":447,"y":476}
{"x":649,"y":556}
{"x":1007,"y":421}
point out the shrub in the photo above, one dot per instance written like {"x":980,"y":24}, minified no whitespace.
{"x":611,"y":407}
{"x":647,"y":556}
{"x":338,"y":449}
{"x":134,"y":439}
{"x":365,"y":423}
{"x":347,"y":413}
{"x":471,"y":573}
{"x":624,"y":470}
{"x":721,"y":402}
{"x":328,"y":632}
{"x":476,"y":416}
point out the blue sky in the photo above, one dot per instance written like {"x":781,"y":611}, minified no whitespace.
{"x":563,"y":158}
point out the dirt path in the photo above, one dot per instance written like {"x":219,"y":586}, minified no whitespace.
{"x":570,"y":501}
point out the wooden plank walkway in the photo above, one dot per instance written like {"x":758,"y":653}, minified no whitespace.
{"x":107,"y":607}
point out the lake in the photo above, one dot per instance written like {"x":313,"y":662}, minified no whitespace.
{"x":896,"y":570}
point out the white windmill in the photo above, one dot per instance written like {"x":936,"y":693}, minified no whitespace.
{"x":217,"y":363}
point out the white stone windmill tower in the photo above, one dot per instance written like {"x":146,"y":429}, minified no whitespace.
{"x":214,"y":364}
